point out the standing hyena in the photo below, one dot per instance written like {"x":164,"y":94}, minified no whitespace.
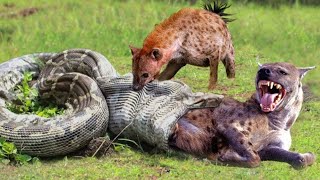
{"x":190,"y":36}
{"x":244,"y":133}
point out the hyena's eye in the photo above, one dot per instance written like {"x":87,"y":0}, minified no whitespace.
{"x":283,"y":72}
{"x":145,"y":75}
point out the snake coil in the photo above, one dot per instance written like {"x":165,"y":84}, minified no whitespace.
{"x":96,"y":98}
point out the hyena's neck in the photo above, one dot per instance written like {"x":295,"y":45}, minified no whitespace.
{"x":169,"y":51}
{"x":164,"y":39}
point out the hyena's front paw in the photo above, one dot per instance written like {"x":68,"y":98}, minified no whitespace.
{"x":304,"y":160}
{"x":212,"y":86}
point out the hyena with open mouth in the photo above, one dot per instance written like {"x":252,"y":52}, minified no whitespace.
{"x":245,"y":133}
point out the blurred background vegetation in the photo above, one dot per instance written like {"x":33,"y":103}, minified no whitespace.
{"x":273,"y":3}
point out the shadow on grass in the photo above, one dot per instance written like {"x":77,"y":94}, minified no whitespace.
{"x":308,"y":94}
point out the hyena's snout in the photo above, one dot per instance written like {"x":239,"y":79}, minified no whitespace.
{"x":136,"y":86}
{"x":140,"y":82}
{"x":264,"y":73}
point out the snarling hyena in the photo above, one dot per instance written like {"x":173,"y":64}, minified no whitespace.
{"x":190,"y":36}
{"x":244,"y":133}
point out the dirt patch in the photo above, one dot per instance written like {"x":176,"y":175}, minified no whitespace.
{"x":9,"y":5}
{"x":12,"y":13}
{"x":97,"y":147}
{"x":27,"y":11}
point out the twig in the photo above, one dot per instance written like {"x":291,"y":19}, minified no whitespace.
{"x":112,"y":139}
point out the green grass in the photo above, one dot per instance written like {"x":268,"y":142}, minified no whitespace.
{"x":289,"y":34}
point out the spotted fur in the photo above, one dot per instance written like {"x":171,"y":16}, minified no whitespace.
{"x":241,"y":133}
{"x":190,"y":36}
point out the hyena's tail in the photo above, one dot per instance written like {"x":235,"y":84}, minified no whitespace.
{"x":218,"y":8}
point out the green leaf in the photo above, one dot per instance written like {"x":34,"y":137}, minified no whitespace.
{"x":2,"y":155}
{"x":19,"y":88}
{"x":2,"y":140}
{"x":40,"y":113}
{"x":21,"y":109}
{"x":34,"y":93}
{"x":20,"y":96}
{"x":35,"y":160}
{"x":28,"y":103}
{"x":22,"y":158}
{"x":51,"y":111}
{"x":26,"y":92}
{"x":28,"y":76}
{"x":9,"y":148}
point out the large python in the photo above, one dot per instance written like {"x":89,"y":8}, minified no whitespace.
{"x":97,"y":98}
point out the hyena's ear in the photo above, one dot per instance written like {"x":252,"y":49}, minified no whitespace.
{"x":258,"y":62}
{"x":156,"y":54}
{"x":134,"y":50}
{"x":303,"y":71}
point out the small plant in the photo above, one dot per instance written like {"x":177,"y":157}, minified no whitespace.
{"x":10,"y":155}
{"x":30,"y":102}
{"x":118,"y":145}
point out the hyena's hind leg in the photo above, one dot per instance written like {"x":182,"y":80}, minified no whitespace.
{"x":229,"y":63}
{"x":214,"y":63}
{"x":228,"y":156}
{"x":241,"y":152}
{"x":296,"y":160}
{"x":190,"y":138}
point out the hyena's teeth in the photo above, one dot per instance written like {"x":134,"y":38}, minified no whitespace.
{"x":268,"y":83}
{"x":271,"y":85}
{"x":278,"y":99}
{"x":278,"y":86}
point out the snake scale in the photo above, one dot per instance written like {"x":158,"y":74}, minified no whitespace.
{"x":97,"y":99}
